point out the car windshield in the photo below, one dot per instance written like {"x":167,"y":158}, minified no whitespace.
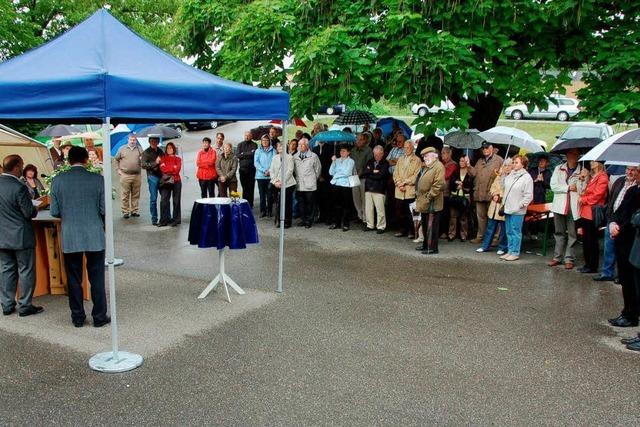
{"x":575,"y":132}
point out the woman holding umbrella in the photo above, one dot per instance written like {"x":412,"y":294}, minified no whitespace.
{"x":593,"y":199}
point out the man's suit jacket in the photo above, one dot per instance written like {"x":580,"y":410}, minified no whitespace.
{"x":16,"y":211}
{"x":630,"y":205}
{"x":618,"y":184}
{"x":77,"y":197}
{"x":57,"y":158}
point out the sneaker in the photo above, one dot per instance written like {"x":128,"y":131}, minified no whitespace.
{"x":418,"y":240}
{"x":500,"y":252}
{"x":480,"y":250}
{"x":505,"y":256}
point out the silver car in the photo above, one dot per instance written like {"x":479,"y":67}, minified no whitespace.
{"x":565,"y":110}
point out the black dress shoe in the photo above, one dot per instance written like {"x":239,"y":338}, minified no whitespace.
{"x":135,"y":214}
{"x":601,"y":278}
{"x":9,"y":311}
{"x":586,"y":270}
{"x":155,"y":223}
{"x":615,"y":319}
{"x":623,"y":322}
{"x":631,"y":340}
{"x":345,"y":228}
{"x":162,"y":224}
{"x":429,"y":252}
{"x":380,"y":231}
{"x":125,"y":216}
{"x":78,"y":323}
{"x":420,"y":248}
{"x":33,"y":309}
{"x":100,"y":323}
{"x":365,"y":228}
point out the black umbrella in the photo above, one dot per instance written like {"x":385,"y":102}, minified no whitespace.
{"x":355,"y":117}
{"x":582,"y":144}
{"x":469,"y":139}
{"x":256,"y":133}
{"x":165,"y":132}
{"x":554,"y":159}
{"x":59,"y":130}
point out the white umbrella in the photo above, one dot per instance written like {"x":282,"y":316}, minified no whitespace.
{"x":595,"y":153}
{"x":511,"y":136}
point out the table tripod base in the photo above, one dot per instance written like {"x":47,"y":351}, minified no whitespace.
{"x":223,"y":278}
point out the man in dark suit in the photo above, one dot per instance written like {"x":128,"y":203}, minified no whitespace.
{"x":17,"y":241}
{"x":323,"y":196}
{"x":77,"y":197}
{"x":623,"y":234}
{"x":56,"y":152}
{"x":616,"y":195}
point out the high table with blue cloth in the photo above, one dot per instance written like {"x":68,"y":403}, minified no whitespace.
{"x":220,"y":222}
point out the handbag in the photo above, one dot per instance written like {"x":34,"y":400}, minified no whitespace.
{"x":599,"y":215}
{"x":354,"y":181}
{"x":459,"y":202}
{"x":166,"y":180}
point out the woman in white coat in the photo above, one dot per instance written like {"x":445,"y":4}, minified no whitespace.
{"x":518,"y":193}
{"x":277,"y":185}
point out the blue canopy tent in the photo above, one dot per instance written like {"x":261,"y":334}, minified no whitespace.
{"x":100,"y":71}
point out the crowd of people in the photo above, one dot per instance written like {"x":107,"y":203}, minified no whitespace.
{"x":422,"y":190}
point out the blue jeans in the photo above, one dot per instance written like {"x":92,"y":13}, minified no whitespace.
{"x":513,"y":224}
{"x":609,"y":257}
{"x":153,"y":182}
{"x":491,"y":230}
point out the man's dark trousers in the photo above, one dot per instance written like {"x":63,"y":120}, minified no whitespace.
{"x":95,"y":271}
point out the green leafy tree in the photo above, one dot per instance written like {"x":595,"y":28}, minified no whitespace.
{"x":25,"y":24}
{"x":612,"y":74}
{"x":479,"y":54}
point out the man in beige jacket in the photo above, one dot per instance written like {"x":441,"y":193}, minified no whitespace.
{"x":404,"y":178}
{"x":430,"y":199}
{"x":483,"y":173}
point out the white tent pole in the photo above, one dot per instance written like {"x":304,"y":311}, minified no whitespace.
{"x":113,"y":361}
{"x":108,"y":216}
{"x":283,"y":196}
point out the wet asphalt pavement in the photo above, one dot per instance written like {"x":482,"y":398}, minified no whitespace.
{"x":368,"y":332}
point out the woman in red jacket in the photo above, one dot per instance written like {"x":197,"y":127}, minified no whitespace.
{"x":170,"y":186}
{"x":594,"y":194}
{"x":206,"y":169}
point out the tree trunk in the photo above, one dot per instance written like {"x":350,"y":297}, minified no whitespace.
{"x":487,"y":111}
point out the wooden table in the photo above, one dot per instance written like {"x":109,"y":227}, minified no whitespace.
{"x":51,"y":276}
{"x":539,"y":212}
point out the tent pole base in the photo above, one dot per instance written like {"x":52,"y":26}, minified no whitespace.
{"x":113,"y":363}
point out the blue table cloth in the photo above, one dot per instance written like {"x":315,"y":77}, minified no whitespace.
{"x":223,"y":225}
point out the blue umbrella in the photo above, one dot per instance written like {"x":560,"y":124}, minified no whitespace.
{"x":121,"y":134}
{"x":331,"y":137}
{"x":386,"y":125}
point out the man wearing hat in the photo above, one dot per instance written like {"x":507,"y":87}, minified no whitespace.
{"x":484,"y":172}
{"x":430,"y":199}
{"x":64,"y":148}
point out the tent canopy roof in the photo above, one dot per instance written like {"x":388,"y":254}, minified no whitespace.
{"x":101,"y":68}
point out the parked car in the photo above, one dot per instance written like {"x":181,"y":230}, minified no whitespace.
{"x":422,"y":109}
{"x":209,"y":124}
{"x":579,"y":130}
{"x":176,"y":126}
{"x":566,"y":109}
{"x":336,"y":109}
